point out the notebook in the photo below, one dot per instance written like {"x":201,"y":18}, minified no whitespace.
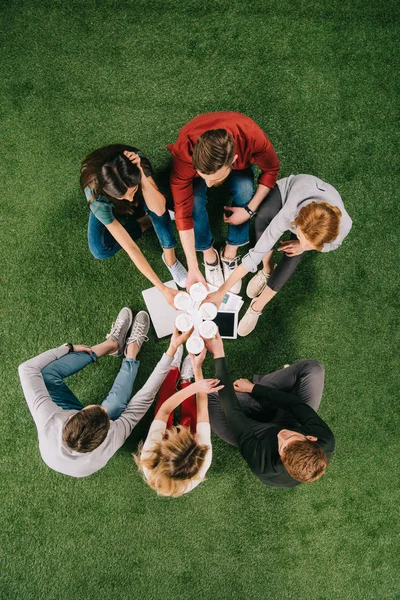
{"x":162,"y":315}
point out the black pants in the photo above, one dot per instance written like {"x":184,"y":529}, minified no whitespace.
{"x":287,"y":265}
{"x":305,"y":379}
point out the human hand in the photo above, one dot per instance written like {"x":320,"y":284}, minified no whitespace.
{"x":239,"y":215}
{"x":134,"y":158}
{"x":215,"y":297}
{"x":81,"y":348}
{"x":208,"y":386}
{"x":215,"y":346}
{"x":243,"y":385}
{"x":291,"y":248}
{"x":177,"y":339}
{"x":197,"y":360}
{"x":193,"y":276}
{"x":169,"y":295}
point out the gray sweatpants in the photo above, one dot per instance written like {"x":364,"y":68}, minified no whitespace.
{"x":304,"y":379}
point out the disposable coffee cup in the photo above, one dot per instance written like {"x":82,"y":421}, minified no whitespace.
{"x":208,"y":329}
{"x":183,"y":323}
{"x":195,"y":344}
{"x":208,"y":311}
{"x":198,"y":292}
{"x":183,"y":301}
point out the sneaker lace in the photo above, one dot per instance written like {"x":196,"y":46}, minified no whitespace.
{"x":137,"y":334}
{"x":180,"y":269}
{"x":232,"y":264}
{"x":116,"y":328}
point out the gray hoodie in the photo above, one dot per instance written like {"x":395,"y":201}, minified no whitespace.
{"x":50,"y":418}
{"x":297,"y":191}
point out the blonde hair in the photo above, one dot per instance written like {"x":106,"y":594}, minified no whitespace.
{"x":174,"y":462}
{"x":319,"y":222}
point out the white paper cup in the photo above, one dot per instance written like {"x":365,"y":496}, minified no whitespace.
{"x":208,"y":311}
{"x":198,"y":292}
{"x":183,"y":301}
{"x":195,"y":344}
{"x":208,"y":329}
{"x":183,"y":323}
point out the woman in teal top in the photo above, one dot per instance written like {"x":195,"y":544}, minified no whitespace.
{"x":117,"y":181}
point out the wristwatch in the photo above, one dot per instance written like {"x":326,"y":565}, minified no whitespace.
{"x":70,"y":347}
{"x":252,"y":213}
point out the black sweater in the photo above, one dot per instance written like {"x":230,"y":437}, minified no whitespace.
{"x":261,"y":454}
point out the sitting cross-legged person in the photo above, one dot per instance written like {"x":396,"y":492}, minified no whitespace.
{"x":273,"y":421}
{"x":174,"y":460}
{"x":77,"y":440}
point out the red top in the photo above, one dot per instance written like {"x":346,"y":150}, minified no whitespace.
{"x":251,"y":145}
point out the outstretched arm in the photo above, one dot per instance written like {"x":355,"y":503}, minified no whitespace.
{"x":201,"y":397}
{"x":205,"y":386}
{"x":123,"y":238}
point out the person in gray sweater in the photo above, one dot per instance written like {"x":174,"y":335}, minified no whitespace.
{"x":77,"y":440}
{"x":313,"y":212}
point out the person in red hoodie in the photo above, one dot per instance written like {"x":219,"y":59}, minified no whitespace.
{"x":210,"y":149}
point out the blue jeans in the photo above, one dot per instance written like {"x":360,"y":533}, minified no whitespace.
{"x":102,"y":244}
{"x":241,"y":187}
{"x":118,"y":397}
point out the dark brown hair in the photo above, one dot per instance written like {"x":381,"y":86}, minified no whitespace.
{"x":213,"y":150}
{"x":114,"y":172}
{"x":319,"y":222}
{"x":304,"y":460}
{"x":86,"y":429}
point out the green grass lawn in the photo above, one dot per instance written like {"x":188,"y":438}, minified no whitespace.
{"x":320,"y":78}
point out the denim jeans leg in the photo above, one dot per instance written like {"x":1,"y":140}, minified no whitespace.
{"x":202,"y":231}
{"x":55,"y":372}
{"x":242,"y":190}
{"x":121,"y":391}
{"x":163,"y":228}
{"x":102,"y":244}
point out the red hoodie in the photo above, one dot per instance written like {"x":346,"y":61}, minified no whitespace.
{"x":251,"y":146}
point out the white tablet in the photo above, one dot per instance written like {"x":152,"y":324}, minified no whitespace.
{"x":227,"y":322}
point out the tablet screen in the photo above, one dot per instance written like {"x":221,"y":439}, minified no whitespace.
{"x":226,"y":322}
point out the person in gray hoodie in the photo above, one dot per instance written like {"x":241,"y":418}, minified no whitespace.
{"x":77,"y":440}
{"x":313,"y":212}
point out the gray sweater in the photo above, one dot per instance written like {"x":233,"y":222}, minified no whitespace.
{"x":297,"y":191}
{"x":50,"y":418}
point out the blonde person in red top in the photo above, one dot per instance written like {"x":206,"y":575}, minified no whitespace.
{"x":210,"y":149}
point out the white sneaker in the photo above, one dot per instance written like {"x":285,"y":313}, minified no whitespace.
{"x":177,"y":358}
{"x":249,"y":321}
{"x":177,"y":271}
{"x":187,"y":369}
{"x":213,"y":273}
{"x":257,"y":284}
{"x":228,"y":266}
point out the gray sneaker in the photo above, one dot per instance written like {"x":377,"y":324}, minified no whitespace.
{"x":140,"y":329}
{"x":177,"y":271}
{"x":120,"y":329}
{"x":187,"y":369}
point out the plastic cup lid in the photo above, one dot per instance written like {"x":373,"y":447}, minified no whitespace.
{"x":182,"y":301}
{"x":198,"y":291}
{"x":208,"y":310}
{"x":208,"y":329}
{"x":195,"y":345}
{"x":183,"y":323}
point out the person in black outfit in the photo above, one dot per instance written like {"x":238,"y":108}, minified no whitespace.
{"x":273,"y":421}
